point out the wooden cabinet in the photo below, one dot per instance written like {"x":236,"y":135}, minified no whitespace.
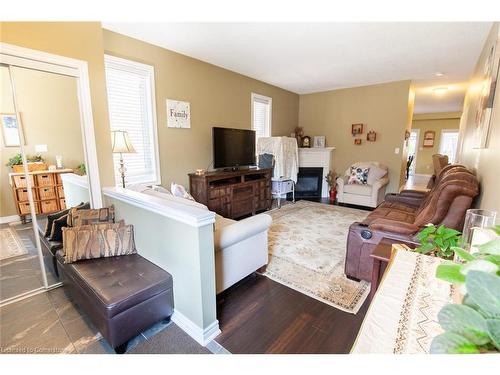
{"x":233,"y":194}
{"x":47,"y":188}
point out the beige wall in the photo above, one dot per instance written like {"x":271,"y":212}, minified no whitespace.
{"x":383,"y":108}
{"x":49,"y":109}
{"x":79,"y":40}
{"x":218,"y":97}
{"x":436,"y":122}
{"x":485,"y":161}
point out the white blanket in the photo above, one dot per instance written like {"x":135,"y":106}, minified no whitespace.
{"x":286,"y":156}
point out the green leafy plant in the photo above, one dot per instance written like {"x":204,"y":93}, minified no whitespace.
{"x":474,"y":325}
{"x":82,"y":169}
{"x":18,"y":160}
{"x":331,"y":179}
{"x":438,"y":241}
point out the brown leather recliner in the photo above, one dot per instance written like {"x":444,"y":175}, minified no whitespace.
{"x":402,"y":216}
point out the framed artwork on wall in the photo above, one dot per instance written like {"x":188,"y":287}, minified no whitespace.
{"x":371,"y":136}
{"x":10,"y":130}
{"x":357,"y":141}
{"x":356,"y":129}
{"x":178,"y":114}
{"x":429,"y":137}
{"x":485,"y":100}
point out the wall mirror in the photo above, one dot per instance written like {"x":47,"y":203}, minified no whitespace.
{"x":48,"y":164}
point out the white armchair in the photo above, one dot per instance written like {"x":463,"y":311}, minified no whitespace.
{"x":371,"y":194}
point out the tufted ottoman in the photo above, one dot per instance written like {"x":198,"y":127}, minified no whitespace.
{"x":122,"y":295}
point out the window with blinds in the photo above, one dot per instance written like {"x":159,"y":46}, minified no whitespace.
{"x":261,"y":115}
{"x":131,"y":104}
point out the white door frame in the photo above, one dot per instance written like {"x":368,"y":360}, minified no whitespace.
{"x":15,"y":56}
{"x":39,"y":60}
{"x":458,"y":140}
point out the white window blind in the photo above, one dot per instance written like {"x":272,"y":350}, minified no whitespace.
{"x":261,"y":115}
{"x":131,"y":103}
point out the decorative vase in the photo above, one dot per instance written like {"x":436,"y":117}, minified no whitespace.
{"x":333,"y":195}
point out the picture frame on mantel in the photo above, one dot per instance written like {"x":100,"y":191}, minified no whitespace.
{"x":319,"y":141}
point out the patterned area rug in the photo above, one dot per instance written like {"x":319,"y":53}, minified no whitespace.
{"x":10,"y":244}
{"x":307,"y":247}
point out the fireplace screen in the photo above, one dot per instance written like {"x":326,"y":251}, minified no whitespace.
{"x":309,"y":183}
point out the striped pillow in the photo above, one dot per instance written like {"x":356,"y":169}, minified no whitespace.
{"x":98,"y":241}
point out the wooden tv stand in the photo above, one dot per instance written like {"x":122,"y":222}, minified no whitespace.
{"x":233,"y":194}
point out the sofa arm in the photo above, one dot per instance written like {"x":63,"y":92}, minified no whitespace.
{"x":241,"y":230}
{"x":341,"y":181}
{"x":409,"y":200}
{"x":413,"y":193}
{"x":396,"y":227}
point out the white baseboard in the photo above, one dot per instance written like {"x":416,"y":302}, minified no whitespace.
{"x":9,"y":219}
{"x":202,"y":336}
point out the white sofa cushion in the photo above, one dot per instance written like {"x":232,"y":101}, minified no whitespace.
{"x":358,"y":189}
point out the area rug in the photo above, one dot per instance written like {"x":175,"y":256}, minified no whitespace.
{"x":307,"y":247}
{"x":10,"y":244}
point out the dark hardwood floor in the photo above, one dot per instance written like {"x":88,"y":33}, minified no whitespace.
{"x":259,"y":315}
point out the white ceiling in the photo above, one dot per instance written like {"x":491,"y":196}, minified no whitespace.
{"x":312,"y":57}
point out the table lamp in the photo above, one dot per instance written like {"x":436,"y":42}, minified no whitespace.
{"x":121,"y":145}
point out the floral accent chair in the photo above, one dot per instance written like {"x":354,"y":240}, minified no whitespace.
{"x":363,"y":184}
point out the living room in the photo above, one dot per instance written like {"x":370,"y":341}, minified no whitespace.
{"x":222,"y":202}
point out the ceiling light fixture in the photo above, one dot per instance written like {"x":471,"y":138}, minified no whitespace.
{"x":439,"y":74}
{"x":439,"y":90}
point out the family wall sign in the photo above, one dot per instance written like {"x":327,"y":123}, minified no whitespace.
{"x":178,"y":114}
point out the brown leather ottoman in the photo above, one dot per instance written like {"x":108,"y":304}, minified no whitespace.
{"x":122,"y":295}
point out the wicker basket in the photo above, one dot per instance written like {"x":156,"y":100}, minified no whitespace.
{"x":32,"y":167}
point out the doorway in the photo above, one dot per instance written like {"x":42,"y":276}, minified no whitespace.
{"x":413,"y":149}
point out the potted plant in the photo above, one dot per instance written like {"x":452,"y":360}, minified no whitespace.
{"x":438,"y":241}
{"x":331,"y":180}
{"x":473,"y":325}
{"x":35,"y":163}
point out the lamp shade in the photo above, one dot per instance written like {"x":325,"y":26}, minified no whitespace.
{"x":121,"y":142}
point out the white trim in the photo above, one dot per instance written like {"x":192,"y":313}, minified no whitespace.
{"x":269,"y":101}
{"x":44,"y":61}
{"x":417,"y":146}
{"x":202,"y":336}
{"x":75,"y":179}
{"x":9,"y":219}
{"x":193,"y":216}
{"x":127,"y":64}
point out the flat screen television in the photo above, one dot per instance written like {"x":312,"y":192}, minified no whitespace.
{"x":233,"y":148}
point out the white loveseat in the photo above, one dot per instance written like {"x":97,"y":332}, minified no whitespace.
{"x":240,"y":246}
{"x":369,"y":195}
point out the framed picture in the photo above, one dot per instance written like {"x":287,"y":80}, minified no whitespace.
{"x":10,"y":130}
{"x":371,"y":136}
{"x":356,"y":129}
{"x":429,"y":137}
{"x":485,"y":100}
{"x":357,"y":141}
{"x":319,"y":141}
{"x":178,"y":114}
{"x":407,"y":135}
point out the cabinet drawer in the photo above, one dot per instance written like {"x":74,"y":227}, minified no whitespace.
{"x":22,"y":194}
{"x":62,"y":204}
{"x":60,"y":192}
{"x":48,"y":206}
{"x":24,"y":208}
{"x":20,"y":181}
{"x":45,"y":179}
{"x":46,"y":193}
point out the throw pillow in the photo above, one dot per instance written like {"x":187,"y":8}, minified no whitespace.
{"x":359,"y":176}
{"x":50,"y":220}
{"x":161,"y":189}
{"x":98,"y":241}
{"x":93,"y":216}
{"x":375,"y":174}
{"x":180,"y":191}
{"x":57,"y":226}
{"x":73,"y":210}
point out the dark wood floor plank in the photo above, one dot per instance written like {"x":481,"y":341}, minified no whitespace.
{"x":262,"y":316}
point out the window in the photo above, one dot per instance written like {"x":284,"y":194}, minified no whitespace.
{"x":262,"y":109}
{"x":131,"y":103}
{"x":448,"y":144}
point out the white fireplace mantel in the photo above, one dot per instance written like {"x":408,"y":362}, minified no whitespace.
{"x":317,"y":157}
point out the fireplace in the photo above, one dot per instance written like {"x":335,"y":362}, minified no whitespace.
{"x":309,"y":182}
